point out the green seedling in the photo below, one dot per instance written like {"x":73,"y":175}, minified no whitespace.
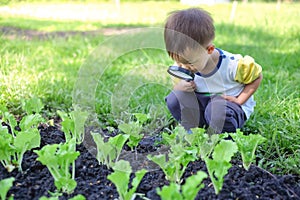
{"x":203,"y":142}
{"x":73,"y":124}
{"x":33,"y":105}
{"x":180,"y":155}
{"x":109,"y":152}
{"x":8,"y":118}
{"x":13,"y":145}
{"x":58,"y":158}
{"x":134,"y":129}
{"x":121,"y":178}
{"x":188,"y":190}
{"x":5,"y":185}
{"x":219,"y":165}
{"x":247,"y":145}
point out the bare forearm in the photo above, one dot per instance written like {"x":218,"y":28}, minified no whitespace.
{"x":248,"y":91}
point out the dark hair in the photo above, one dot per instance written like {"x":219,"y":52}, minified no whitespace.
{"x":187,"y":29}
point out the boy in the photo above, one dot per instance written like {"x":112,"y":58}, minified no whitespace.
{"x":221,"y":95}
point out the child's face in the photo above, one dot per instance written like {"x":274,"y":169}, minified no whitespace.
{"x":195,"y":59}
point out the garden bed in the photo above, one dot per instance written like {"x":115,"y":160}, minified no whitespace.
{"x":92,"y":182}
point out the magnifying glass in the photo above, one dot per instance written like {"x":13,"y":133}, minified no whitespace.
{"x":181,"y":73}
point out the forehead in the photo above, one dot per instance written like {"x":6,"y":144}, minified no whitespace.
{"x":191,"y":55}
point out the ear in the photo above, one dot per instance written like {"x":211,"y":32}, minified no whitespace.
{"x":210,"y":49}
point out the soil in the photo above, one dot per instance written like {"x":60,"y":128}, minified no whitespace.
{"x":92,"y":182}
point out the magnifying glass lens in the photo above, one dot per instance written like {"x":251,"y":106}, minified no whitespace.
{"x":181,"y":73}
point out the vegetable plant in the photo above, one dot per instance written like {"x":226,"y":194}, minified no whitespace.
{"x":133,"y":129}
{"x":247,"y":145}
{"x":33,"y":105}
{"x":15,"y":142}
{"x":73,"y":124}
{"x":220,"y":163}
{"x":8,"y":118}
{"x":203,"y":142}
{"x":121,"y":178}
{"x":108,"y":152}
{"x":58,"y":158}
{"x":188,"y":190}
{"x":181,"y":154}
{"x":5,"y":185}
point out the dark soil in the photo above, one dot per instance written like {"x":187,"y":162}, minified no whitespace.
{"x":92,"y":182}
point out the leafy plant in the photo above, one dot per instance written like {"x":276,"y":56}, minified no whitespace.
{"x":203,"y":142}
{"x":73,"y":124}
{"x":33,"y":105}
{"x":7,"y":150}
{"x":220,"y":163}
{"x":181,"y":154}
{"x":5,"y":185}
{"x":133,"y":129}
{"x":121,"y":178}
{"x":247,"y":145}
{"x":14,"y":145}
{"x":108,"y":152}
{"x":58,"y":158}
{"x":8,"y":118}
{"x":188,"y":190}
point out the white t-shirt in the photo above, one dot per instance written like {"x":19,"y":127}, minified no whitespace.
{"x":229,"y":78}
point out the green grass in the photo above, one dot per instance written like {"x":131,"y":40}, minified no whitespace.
{"x":48,"y":67}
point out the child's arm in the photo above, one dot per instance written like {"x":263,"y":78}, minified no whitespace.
{"x":246,"y":93}
{"x":249,"y":73}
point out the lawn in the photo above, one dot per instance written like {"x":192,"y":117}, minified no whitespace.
{"x":43,"y":49}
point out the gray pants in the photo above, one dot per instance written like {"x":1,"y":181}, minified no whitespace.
{"x":199,"y":110}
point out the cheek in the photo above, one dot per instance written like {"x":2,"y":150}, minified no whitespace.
{"x":201,"y":63}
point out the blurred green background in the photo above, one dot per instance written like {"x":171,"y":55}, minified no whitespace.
{"x":43,"y":45}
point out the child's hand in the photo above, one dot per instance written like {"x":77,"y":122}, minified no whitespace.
{"x":232,"y":99}
{"x":186,"y":86}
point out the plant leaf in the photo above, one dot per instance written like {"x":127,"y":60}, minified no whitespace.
{"x":192,"y":185}
{"x":5,"y":185}
{"x":135,"y":182}
{"x":169,"y":192}
{"x":141,"y":117}
{"x":224,"y":150}
{"x":65,"y":184}
{"x":30,"y":121}
{"x":79,"y":118}
{"x":217,"y":170}
{"x":32,"y":105}
{"x":247,"y":145}
{"x":26,"y":140}
{"x":120,"y":177}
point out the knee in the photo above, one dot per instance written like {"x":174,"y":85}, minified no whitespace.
{"x":231,"y":122}
{"x":222,"y":116}
{"x":172,"y":102}
{"x":173,"y":106}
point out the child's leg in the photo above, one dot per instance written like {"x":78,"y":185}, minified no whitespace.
{"x":224,"y":116}
{"x":173,"y":106}
{"x":184,"y":107}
